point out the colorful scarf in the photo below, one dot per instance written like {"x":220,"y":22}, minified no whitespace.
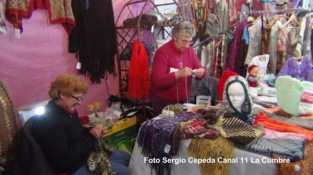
{"x":160,"y":138}
{"x":60,"y":11}
{"x":237,"y":130}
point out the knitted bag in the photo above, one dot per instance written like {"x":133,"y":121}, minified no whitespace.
{"x":98,"y":161}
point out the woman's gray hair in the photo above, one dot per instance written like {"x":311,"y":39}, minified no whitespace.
{"x":184,"y":27}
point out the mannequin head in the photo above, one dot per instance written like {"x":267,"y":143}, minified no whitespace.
{"x":236,"y":97}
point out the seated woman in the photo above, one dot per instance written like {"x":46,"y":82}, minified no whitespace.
{"x":67,"y":144}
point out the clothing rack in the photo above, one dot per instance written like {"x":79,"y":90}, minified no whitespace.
{"x":298,"y":10}
{"x":208,"y":39}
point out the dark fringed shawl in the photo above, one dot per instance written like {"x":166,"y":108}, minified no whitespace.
{"x":94,"y":37}
{"x":155,"y":135}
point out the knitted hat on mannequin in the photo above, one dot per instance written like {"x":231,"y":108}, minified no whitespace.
{"x":221,"y":83}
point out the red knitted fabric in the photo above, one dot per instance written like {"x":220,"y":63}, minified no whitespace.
{"x":263,"y":119}
{"x":221,"y":83}
{"x":138,"y":73}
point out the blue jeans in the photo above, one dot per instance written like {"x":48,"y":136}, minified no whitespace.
{"x":119,"y":162}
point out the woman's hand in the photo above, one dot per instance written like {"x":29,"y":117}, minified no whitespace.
{"x":97,"y":131}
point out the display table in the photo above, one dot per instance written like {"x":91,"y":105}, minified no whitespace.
{"x":138,"y":166}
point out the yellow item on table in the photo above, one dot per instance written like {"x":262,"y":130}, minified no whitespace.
{"x":121,"y":125}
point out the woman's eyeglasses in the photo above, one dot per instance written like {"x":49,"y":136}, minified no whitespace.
{"x":79,"y":99}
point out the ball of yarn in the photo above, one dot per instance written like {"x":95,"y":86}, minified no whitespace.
{"x":297,"y":168}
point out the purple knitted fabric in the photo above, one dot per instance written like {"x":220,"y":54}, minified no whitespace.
{"x":156,"y":137}
{"x":301,"y":71}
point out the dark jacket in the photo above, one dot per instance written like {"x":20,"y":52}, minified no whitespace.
{"x":25,"y":156}
{"x":64,"y":141}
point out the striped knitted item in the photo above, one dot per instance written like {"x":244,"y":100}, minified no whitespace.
{"x":237,"y":130}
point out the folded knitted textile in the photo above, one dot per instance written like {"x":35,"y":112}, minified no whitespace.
{"x":305,"y":123}
{"x":159,"y":138}
{"x":272,"y":134}
{"x":213,"y":149}
{"x":237,"y":130}
{"x":284,"y":148}
{"x":263,"y":119}
{"x":175,"y":108}
{"x":195,"y":128}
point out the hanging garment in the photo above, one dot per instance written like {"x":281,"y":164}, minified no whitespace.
{"x":2,"y":17}
{"x":60,"y":11}
{"x":94,"y":38}
{"x":306,"y":48}
{"x":207,"y":53}
{"x":301,"y":70}
{"x":254,"y":41}
{"x":200,"y":12}
{"x":138,"y":72}
{"x":221,"y":11}
{"x":272,"y":68}
{"x":237,"y":39}
{"x":292,"y":40}
{"x":265,"y":36}
{"x":185,"y":10}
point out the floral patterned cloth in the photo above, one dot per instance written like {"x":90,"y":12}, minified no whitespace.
{"x":60,"y":11}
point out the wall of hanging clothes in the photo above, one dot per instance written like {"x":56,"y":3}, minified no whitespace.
{"x":34,"y":67}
